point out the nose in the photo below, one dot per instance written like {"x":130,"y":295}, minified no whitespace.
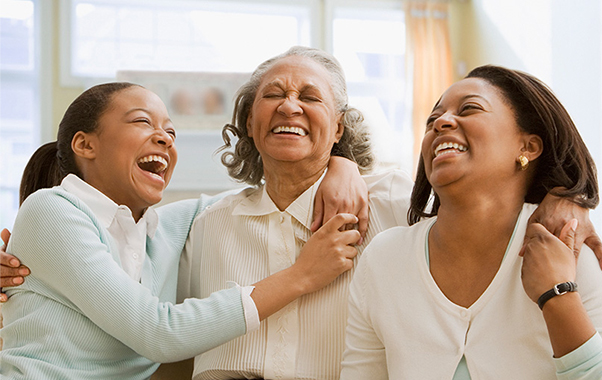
{"x":290,"y":107}
{"x":446,"y":121}
{"x":161,"y":137}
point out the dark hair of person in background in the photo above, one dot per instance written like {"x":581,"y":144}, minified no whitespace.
{"x":565,"y":161}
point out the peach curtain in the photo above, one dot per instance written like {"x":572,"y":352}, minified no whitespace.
{"x":429,"y":57}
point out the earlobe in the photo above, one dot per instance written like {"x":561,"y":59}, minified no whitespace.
{"x":83,"y":145}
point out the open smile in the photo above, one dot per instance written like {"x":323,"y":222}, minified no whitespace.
{"x":153,"y":164}
{"x":289,"y":130}
{"x":449,"y":147}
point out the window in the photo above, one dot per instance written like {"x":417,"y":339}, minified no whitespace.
{"x":101,"y":38}
{"x":106,"y":36}
{"x":19,"y":98}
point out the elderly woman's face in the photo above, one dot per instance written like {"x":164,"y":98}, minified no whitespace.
{"x":293,"y":117}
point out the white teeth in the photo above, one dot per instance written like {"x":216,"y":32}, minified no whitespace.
{"x":453,"y":147}
{"x":295,"y":130}
{"x":155,"y":158}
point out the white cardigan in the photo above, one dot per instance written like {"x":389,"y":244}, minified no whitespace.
{"x":396,"y":304}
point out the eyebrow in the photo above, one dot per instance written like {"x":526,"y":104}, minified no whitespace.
{"x":465,"y":97}
{"x":147,"y":112}
{"x":277,"y":83}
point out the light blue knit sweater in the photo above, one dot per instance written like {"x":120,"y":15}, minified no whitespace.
{"x":80,"y":316}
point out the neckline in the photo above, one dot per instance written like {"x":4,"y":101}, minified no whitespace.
{"x":501,"y":274}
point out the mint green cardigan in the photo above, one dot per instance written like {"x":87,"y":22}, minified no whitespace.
{"x":80,"y":316}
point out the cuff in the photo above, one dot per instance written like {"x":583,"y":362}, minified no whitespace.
{"x":574,"y":360}
{"x":248,"y":306}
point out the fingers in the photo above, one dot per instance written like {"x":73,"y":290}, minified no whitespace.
{"x":567,"y":234}
{"x":12,"y":278}
{"x":338,"y":222}
{"x":595,"y":244}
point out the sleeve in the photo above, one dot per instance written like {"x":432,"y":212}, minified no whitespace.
{"x":582,"y":363}
{"x":364,"y":356}
{"x":64,"y":249}
{"x":390,"y":197}
{"x":585,"y":362}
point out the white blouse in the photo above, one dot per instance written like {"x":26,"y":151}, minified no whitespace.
{"x":245,"y":238}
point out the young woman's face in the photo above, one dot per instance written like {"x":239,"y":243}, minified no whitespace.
{"x":135,"y":151}
{"x":471,"y":136}
{"x":293,"y":117}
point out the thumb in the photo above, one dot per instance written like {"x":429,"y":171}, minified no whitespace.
{"x":317,"y":216}
{"x":5,"y":236}
{"x":567,"y":234}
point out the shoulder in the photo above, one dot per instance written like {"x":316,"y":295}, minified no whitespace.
{"x":231,"y":201}
{"x":389,"y":180}
{"x":389,"y":194}
{"x":396,"y":243}
{"x":54,"y":201}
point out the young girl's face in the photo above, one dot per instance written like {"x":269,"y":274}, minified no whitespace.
{"x":135,"y":151}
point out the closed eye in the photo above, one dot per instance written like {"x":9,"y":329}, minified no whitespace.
{"x":142,"y":120}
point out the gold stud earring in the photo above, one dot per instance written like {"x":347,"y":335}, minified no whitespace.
{"x":523,"y":162}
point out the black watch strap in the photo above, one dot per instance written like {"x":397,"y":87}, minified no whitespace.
{"x":557,"y":290}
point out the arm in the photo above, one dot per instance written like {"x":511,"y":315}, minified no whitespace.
{"x":554,"y":212}
{"x":12,"y":273}
{"x":547,"y":261}
{"x":364,"y":356}
{"x":327,"y":254}
{"x":342,"y":191}
{"x":81,"y":274}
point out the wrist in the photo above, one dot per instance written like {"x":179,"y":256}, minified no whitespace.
{"x":560,"y":289}
{"x":299,"y":282}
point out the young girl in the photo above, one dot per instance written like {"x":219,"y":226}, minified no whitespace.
{"x":104,"y":266}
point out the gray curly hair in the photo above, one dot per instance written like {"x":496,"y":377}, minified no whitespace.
{"x":244,"y":163}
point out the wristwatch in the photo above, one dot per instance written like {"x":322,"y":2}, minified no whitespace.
{"x":557,"y":290}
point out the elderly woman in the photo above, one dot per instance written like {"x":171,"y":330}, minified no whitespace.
{"x":495,"y":143}
{"x":288,"y":119}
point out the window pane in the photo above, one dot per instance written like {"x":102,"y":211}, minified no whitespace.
{"x":370,"y":43}
{"x":16,"y":34}
{"x":181,"y":36}
{"x":19,"y":121}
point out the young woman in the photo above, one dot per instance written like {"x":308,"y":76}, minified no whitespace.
{"x":98,"y":303}
{"x":459,"y":299}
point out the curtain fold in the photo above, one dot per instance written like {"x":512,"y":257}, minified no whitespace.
{"x":429,"y":55}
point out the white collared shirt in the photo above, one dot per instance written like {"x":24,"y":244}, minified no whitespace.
{"x":245,"y":238}
{"x":129,"y":236}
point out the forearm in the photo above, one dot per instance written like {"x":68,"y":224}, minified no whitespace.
{"x":568,"y":324}
{"x":278,"y":290}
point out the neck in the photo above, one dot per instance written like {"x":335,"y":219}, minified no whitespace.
{"x":288,"y":182}
{"x":474,"y":226}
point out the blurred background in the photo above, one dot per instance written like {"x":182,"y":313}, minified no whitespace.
{"x":398,"y":57}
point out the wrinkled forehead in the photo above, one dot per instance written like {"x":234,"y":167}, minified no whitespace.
{"x":298,"y":71}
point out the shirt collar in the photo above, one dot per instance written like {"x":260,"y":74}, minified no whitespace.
{"x":102,"y":206}
{"x":259,"y":203}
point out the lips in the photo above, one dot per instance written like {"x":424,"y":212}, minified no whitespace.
{"x":290,"y":130}
{"x":449,"y":147}
{"x":154,"y":164}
